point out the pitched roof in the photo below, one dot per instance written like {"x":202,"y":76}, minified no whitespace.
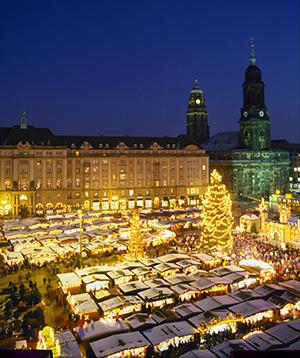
{"x":223,"y":141}
{"x":44,"y":136}
{"x":35,"y":136}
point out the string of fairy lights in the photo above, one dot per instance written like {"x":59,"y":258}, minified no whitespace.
{"x":217,"y":220}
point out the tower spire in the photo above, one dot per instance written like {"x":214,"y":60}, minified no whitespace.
{"x":252,"y":55}
{"x":196,"y":88}
{"x":23,"y":120}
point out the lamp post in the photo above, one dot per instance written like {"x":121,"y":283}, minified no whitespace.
{"x":79,"y":212}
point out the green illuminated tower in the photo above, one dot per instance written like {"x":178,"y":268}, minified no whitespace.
{"x":254,"y":121}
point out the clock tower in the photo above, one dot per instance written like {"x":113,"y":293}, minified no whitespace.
{"x":196,"y":115}
{"x":254,"y":120}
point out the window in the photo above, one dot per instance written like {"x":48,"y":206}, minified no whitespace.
{"x":58,"y":183}
{"x":38,"y":184}
{"x":49,"y":183}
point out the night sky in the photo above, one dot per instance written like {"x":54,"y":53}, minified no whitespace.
{"x":126,"y":67}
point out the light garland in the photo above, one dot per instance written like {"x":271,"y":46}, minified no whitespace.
{"x":216,"y":216}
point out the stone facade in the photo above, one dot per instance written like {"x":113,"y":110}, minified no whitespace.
{"x":252,"y":173}
{"x":41,"y":172}
{"x":285,"y":230}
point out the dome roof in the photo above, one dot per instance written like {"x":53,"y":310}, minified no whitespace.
{"x":252,"y":73}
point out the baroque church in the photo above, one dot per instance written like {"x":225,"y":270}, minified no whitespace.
{"x":249,"y":165}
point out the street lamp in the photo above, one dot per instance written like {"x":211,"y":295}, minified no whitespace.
{"x":79,"y":212}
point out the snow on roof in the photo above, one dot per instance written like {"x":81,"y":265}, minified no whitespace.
{"x":163,"y":267}
{"x":83,"y":302}
{"x":245,"y":295}
{"x":139,"y":320}
{"x":286,"y":332}
{"x":95,"y":277}
{"x":292,"y":285}
{"x":69,"y":279}
{"x":164,"y":315}
{"x":250,"y":308}
{"x":142,"y":270}
{"x":207,"y":304}
{"x":69,"y":348}
{"x":222,"y":141}
{"x":132,"y":286}
{"x":150,"y":262}
{"x":175,"y":280}
{"x":255,"y":265}
{"x":226,"y":300}
{"x":120,"y":301}
{"x":198,"y":353}
{"x":262,"y":341}
{"x":119,"y":273}
{"x":111,"y":303}
{"x":101,"y":328}
{"x":269,"y":289}
{"x":186,"y":310}
{"x":130,"y":265}
{"x":203,"y":283}
{"x":94,"y":269}
{"x":167,"y":331}
{"x":295,"y":324}
{"x":204,"y":257}
{"x":187,"y":263}
{"x":38,"y":251}
{"x":172,"y":258}
{"x":182,"y":288}
{"x":233,"y":277}
{"x":223,"y":349}
{"x":203,"y":317}
{"x":14,"y":256}
{"x":156,"y":282}
{"x":117,"y":343}
{"x":155,"y":293}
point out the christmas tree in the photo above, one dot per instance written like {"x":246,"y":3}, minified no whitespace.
{"x":216,"y":216}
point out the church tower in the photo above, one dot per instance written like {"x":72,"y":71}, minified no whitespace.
{"x":196,"y":115}
{"x":23,"y":120}
{"x":254,"y":120}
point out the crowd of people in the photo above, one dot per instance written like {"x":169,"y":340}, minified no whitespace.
{"x":285,"y":260}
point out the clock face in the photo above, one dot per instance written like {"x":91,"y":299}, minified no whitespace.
{"x":261,"y":113}
{"x":198,"y":101}
{"x":245,"y":114}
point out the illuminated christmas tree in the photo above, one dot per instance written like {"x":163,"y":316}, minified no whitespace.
{"x":136,"y":244}
{"x":216,"y":216}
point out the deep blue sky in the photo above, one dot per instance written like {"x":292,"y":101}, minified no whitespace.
{"x":126,"y":67}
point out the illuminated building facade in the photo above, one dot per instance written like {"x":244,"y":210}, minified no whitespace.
{"x":294,"y":150}
{"x":245,"y":159}
{"x":41,"y":172}
{"x":285,"y":229}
